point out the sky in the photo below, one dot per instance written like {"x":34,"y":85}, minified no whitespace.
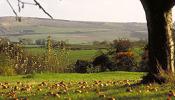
{"x":82,"y":10}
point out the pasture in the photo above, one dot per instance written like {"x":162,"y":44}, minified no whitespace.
{"x":89,"y":55}
{"x":73,"y":54}
{"x":73,"y":86}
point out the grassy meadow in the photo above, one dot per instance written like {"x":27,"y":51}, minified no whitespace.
{"x":73,"y":54}
{"x":72,"y":86}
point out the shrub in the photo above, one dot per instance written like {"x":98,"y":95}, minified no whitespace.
{"x":7,"y":71}
{"x":6,"y":66}
{"x":121,"y":45}
{"x":124,"y":57}
{"x":40,"y":42}
{"x":27,"y":63}
{"x":125,"y":63}
{"x":104,"y":63}
{"x":82,"y":66}
{"x":26,"y":41}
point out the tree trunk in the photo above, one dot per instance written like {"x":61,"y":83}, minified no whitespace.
{"x":160,"y":34}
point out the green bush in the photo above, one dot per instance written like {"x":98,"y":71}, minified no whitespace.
{"x":104,"y":63}
{"x":121,"y":45}
{"x":123,"y":56}
{"x":83,"y":66}
{"x":6,"y":66}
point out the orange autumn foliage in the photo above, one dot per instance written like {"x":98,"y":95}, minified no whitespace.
{"x":124,"y":54}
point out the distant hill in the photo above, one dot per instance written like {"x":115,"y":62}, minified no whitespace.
{"x":35,"y":28}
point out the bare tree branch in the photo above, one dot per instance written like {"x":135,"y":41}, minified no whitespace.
{"x":38,"y":4}
{"x":12,"y":8}
{"x":28,"y":3}
{"x":21,"y":5}
{"x":19,"y":8}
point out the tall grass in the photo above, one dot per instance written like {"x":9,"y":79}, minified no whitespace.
{"x":18,"y":60}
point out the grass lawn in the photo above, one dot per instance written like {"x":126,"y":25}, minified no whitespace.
{"x":73,"y":86}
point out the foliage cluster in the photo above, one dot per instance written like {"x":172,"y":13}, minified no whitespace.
{"x":119,"y":57}
{"x":15,"y":60}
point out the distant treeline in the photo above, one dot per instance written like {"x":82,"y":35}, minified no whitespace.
{"x":95,"y":45}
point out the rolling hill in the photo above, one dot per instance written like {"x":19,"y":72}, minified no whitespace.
{"x":74,"y":31}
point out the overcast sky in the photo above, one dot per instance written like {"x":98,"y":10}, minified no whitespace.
{"x":83,"y":10}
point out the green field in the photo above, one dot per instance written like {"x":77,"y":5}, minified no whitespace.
{"x":72,"y":86}
{"x":73,"y":54}
{"x":83,"y":54}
